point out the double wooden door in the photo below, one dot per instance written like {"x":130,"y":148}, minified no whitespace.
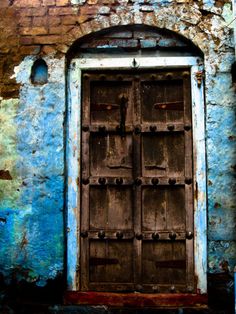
{"x":136,"y":182}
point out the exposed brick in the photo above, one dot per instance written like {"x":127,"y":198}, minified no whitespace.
{"x":27,"y":3}
{"x":76,"y":32}
{"x":121,"y":35}
{"x":4,"y":3}
{"x":50,"y":49}
{"x":96,"y":43}
{"x":54,"y":21}
{"x":148,"y":43}
{"x":5,"y":31}
{"x":29,"y":50}
{"x":34,"y":31}
{"x":146,"y":34}
{"x":63,"y":11}
{"x":62,"y":2}
{"x":69,"y":38}
{"x":170,"y":42}
{"x":108,"y":1}
{"x":90,"y":10}
{"x":62,"y":48}
{"x":34,"y":12}
{"x":72,"y":19}
{"x":92,"y":2}
{"x":97,"y":25}
{"x":83,"y":18}
{"x":25,"y":21}
{"x":48,"y":2}
{"x":59,"y":29}
{"x":9,"y":91}
{"x":7,"y":21}
{"x":4,"y":49}
{"x":130,"y":43}
{"x":28,"y":40}
{"x":86,"y":28}
{"x":47,"y":40}
{"x":39,"y":21}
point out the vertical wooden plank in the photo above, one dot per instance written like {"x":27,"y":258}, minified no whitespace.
{"x":188,"y":186}
{"x":153,"y":208}
{"x":137,"y":188}
{"x":176,"y":214}
{"x":85,"y":173}
{"x":175,"y":152}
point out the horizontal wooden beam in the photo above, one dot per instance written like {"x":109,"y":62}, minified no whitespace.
{"x":136,"y":299}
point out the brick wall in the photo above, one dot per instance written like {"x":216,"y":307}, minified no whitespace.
{"x":51,"y":26}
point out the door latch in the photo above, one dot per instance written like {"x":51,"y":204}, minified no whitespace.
{"x":123,"y":111}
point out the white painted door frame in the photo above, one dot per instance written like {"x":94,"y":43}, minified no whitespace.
{"x":73,"y":155}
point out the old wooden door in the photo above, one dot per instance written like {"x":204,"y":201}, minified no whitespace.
{"x":137,"y":197}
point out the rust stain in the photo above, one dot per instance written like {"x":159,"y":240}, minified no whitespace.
{"x":232,"y":138}
{"x":104,"y":106}
{"x":5,"y":175}
{"x":224,"y":265}
{"x":217,"y":205}
{"x":24,"y":241}
{"x":174,"y":105}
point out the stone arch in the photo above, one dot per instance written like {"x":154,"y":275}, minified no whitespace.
{"x":185,"y":20}
{"x":134,"y":37}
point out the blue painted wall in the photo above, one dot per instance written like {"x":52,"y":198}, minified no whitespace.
{"x":32,"y":229}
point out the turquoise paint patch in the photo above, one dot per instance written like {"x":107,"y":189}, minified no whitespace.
{"x":216,"y":90}
{"x":221,"y":150}
{"x":34,"y":231}
{"x":221,"y":253}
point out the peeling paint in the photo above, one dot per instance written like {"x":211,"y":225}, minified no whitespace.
{"x":36,"y":163}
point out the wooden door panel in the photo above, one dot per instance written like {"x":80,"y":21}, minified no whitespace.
{"x":111,"y":261}
{"x":111,"y":208}
{"x":154,"y":209}
{"x":163,"y":154}
{"x":164,"y":262}
{"x":160,"y":209}
{"x":105,"y":101}
{"x":176,"y":214}
{"x":162,"y":101}
{"x":137,"y":194}
{"x":110,"y":155}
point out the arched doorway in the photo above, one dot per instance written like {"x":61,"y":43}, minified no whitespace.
{"x":136,"y":118}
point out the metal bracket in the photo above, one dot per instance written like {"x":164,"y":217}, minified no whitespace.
{"x":134,"y":64}
{"x":199,"y":75}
